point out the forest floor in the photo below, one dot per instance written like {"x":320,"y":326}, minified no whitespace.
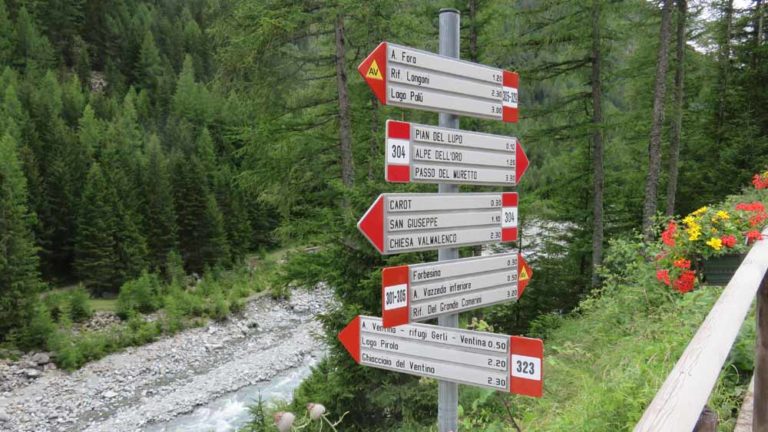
{"x":156,"y":382}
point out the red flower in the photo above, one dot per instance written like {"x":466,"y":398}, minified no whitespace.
{"x":682,"y":263}
{"x":760,"y":182}
{"x":755,"y":206}
{"x":668,"y":236}
{"x":758,"y":219}
{"x":728,"y":241}
{"x":754,"y":235}
{"x":685,"y":282}
{"x":663,"y":276}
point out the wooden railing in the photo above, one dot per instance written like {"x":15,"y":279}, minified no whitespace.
{"x":684,"y":394}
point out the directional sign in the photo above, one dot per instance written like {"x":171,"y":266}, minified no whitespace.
{"x":428,"y":154}
{"x":420,"y":292}
{"x":397,"y":223}
{"x":407,"y":77}
{"x":507,"y":363}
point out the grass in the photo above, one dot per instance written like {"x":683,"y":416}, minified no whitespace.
{"x":103,"y":305}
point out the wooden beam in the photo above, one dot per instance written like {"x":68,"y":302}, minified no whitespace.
{"x":760,"y":377}
{"x":679,"y":402}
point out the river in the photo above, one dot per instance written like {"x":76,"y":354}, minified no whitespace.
{"x":230,"y":412}
{"x":201,"y":379}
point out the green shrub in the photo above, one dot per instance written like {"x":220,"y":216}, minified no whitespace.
{"x":79,"y":304}
{"x":68,"y":355}
{"x":53,"y":301}
{"x":37,"y":331}
{"x":219,"y":307}
{"x":140,"y":295}
{"x":174,"y":268}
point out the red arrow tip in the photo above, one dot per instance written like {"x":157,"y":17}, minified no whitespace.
{"x":374,"y":71}
{"x":372,"y":224}
{"x":350,"y":338}
{"x":524,"y":274}
{"x":522,"y":162}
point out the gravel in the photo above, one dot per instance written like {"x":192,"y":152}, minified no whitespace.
{"x":156,"y":382}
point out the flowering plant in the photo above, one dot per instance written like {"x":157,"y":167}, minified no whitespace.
{"x":709,"y":231}
{"x":760,"y":180}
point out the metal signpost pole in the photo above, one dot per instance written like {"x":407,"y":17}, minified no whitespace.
{"x":448,"y":392}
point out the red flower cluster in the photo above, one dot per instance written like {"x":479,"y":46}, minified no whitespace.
{"x":685,"y":282}
{"x":663,"y":276}
{"x":755,"y":206}
{"x":759,"y":216}
{"x":729,"y":241}
{"x":668,"y":236}
{"x":754,"y":235}
{"x":758,"y":219}
{"x":682,"y":263}
{"x":760,"y":181}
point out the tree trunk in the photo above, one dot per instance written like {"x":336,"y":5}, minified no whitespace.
{"x":345,"y":126}
{"x":473,"y":54}
{"x":677,"y":122}
{"x":654,"y":146}
{"x":759,"y":30}
{"x":597,"y":146}
{"x":374,"y":137}
{"x":724,"y":62}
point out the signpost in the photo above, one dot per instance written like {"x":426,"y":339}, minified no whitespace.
{"x":398,"y":223}
{"x":429,"y":154}
{"x":411,"y":78}
{"x":507,"y":363}
{"x":420,"y":292}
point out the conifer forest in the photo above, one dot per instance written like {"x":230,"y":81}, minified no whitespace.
{"x":181,"y":183}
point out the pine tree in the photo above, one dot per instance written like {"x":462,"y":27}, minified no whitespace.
{"x":149,"y":68}
{"x":202,"y":238}
{"x":19,"y":277}
{"x":63,"y":21}
{"x":33,"y":50}
{"x":159,"y":214}
{"x":95,"y":248}
{"x":191,"y":101}
{"x":215,"y":249}
{"x":6,"y":36}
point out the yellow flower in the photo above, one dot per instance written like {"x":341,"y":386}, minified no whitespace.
{"x":721,"y":214}
{"x":693,"y":230}
{"x":689,"y":220}
{"x":700,"y":211}
{"x":694,"y":235}
{"x":715,"y":243}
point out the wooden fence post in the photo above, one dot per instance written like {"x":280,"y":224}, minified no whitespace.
{"x":707,"y":421}
{"x":760,"y":403}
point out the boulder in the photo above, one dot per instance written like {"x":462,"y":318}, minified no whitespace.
{"x":4,"y":418}
{"x":41,"y":358}
{"x":32,"y":373}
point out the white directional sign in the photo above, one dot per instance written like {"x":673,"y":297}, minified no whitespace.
{"x":398,"y":223}
{"x":500,"y":362}
{"x":411,"y":78}
{"x":429,"y":154}
{"x":412,"y":293}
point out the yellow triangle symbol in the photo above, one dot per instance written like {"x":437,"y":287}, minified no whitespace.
{"x":523,"y":275}
{"x":374,"y":72}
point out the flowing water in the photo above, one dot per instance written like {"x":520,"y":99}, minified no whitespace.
{"x":230,"y":411}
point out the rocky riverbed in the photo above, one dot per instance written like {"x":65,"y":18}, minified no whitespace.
{"x":154,"y":383}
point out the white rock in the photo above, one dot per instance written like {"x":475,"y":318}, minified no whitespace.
{"x":41,"y":358}
{"x":109,"y":394}
{"x":32,"y":373}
